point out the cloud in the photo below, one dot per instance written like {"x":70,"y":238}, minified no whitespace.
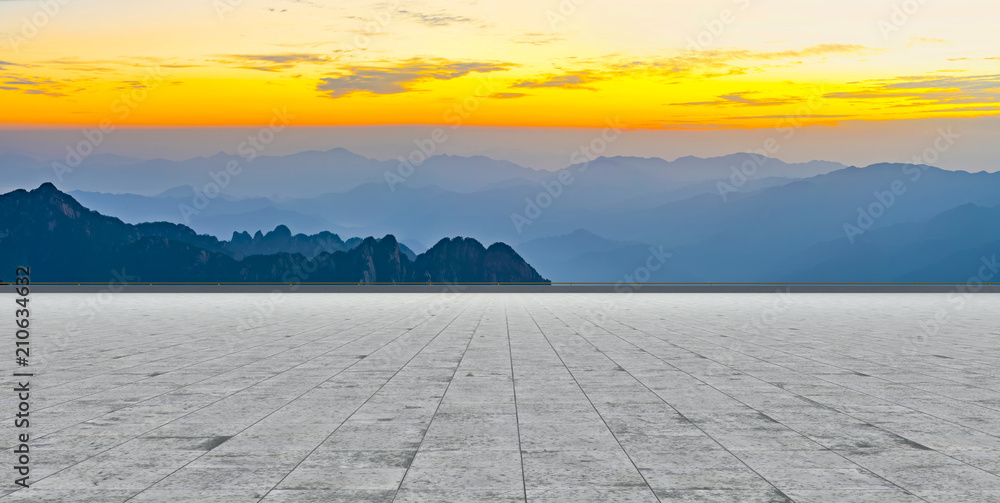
{"x":911,"y":91}
{"x":706,"y":64}
{"x":131,"y":84}
{"x":120,"y":66}
{"x":690,"y":64}
{"x":576,"y":80}
{"x":723,"y":57}
{"x":812,"y":52}
{"x":435,"y":20}
{"x":43,"y":92}
{"x":506,"y":96}
{"x":273,"y":62}
{"x":787,"y":116}
{"x":400,"y":77}
{"x":740,"y":99}
{"x":539,"y":39}
{"x":75,"y":65}
{"x":968,"y":83}
{"x":928,"y":40}
{"x":34,"y":85}
{"x":994,"y":109}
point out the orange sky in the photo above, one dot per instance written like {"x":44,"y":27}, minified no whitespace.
{"x":566,"y":63}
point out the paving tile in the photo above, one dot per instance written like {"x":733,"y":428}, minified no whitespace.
{"x":505,"y":397}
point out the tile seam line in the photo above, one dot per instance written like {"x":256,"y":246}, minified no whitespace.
{"x":944,"y":367}
{"x":189,"y":413}
{"x":430,"y":423}
{"x":167,"y":347}
{"x":758,"y":411}
{"x":422,"y":348}
{"x":591,"y":402}
{"x":890,"y":401}
{"x":943,"y":453}
{"x":513,"y":383}
{"x":198,"y":381}
{"x":825,"y":448}
{"x":339,"y":372}
{"x":374,"y":318}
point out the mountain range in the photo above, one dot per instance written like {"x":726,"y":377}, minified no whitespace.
{"x":63,"y":241}
{"x":736,"y":218}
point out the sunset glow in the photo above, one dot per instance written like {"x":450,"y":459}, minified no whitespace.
{"x":568,"y":63}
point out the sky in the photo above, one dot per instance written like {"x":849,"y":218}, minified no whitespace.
{"x":669,"y":65}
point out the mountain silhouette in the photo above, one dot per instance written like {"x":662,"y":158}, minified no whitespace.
{"x":63,"y":241}
{"x":451,"y":259}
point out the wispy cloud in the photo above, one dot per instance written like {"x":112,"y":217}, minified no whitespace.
{"x":688,"y":65}
{"x":75,"y":65}
{"x":714,"y":59}
{"x":912,"y":91}
{"x":928,"y":40}
{"x":965,"y":83}
{"x":506,"y":96}
{"x":35,"y":85}
{"x":575,"y":80}
{"x":539,"y":39}
{"x":401,"y":77}
{"x":718,"y":62}
{"x":44,"y":92}
{"x":776,"y":116}
{"x":121,"y":65}
{"x":994,"y":108}
{"x":740,"y":98}
{"x":815,"y":51}
{"x":435,"y":19}
{"x":273,"y":62}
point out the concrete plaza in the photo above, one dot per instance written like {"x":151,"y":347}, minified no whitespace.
{"x":510,"y":397}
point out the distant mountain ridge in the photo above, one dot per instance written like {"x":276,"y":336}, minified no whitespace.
{"x":316,"y":191}
{"x":64,"y":241}
{"x":314,"y":173}
{"x":601,"y":223}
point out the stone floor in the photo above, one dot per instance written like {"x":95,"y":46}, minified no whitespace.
{"x":511,"y":397}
